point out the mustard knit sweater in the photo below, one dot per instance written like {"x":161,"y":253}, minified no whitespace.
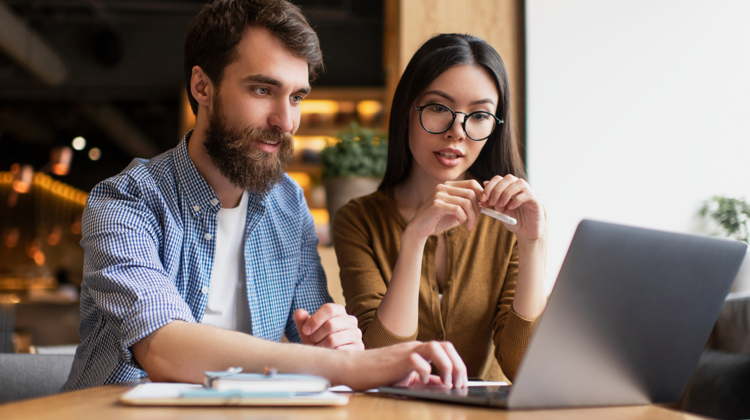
{"x":481,"y":270}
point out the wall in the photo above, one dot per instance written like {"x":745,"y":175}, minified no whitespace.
{"x":637,"y":111}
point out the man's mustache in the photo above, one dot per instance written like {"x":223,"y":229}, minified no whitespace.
{"x":270,"y":136}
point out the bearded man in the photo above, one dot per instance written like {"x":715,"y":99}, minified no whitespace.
{"x":201,"y":258}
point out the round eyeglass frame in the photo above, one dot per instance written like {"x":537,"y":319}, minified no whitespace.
{"x":498,"y":121}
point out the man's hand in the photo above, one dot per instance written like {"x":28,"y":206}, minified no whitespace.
{"x":330,"y":327}
{"x":407,"y":364}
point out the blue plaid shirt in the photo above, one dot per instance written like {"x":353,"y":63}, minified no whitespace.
{"x":149,"y":240}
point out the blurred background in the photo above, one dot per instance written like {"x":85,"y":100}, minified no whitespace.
{"x":628,"y":111}
{"x":88,"y":85}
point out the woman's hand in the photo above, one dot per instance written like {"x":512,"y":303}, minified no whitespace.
{"x":450,"y":205}
{"x":513,"y":196}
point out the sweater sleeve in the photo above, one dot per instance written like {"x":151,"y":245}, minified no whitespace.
{"x":512,"y":332}
{"x":362,"y":279}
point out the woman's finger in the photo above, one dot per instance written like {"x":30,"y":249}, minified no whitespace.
{"x":509,"y":192}
{"x":497,"y":185}
{"x":469,"y":209}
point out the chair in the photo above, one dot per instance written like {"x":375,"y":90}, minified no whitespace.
{"x":32,"y":375}
{"x":720,"y":385}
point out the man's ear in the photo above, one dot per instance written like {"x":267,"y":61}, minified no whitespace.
{"x":201,"y":87}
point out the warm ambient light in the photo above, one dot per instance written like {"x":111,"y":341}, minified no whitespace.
{"x":313,"y":106}
{"x":320,"y":216}
{"x":79,"y":143}
{"x":95,"y":154}
{"x":54,"y":236}
{"x":9,"y":298}
{"x":22,"y":177}
{"x":302,"y":178}
{"x":39,"y":258}
{"x":369,"y":108}
{"x":60,"y":159}
{"x":314,"y":143}
{"x":10,"y":237}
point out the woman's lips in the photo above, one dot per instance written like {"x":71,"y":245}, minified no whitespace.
{"x":447,"y":159}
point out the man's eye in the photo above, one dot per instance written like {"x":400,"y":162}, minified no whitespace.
{"x":297,"y":99}
{"x":261,"y":90}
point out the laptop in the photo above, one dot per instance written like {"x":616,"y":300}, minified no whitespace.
{"x":625,"y":324}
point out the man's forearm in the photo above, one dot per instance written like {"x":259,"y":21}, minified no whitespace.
{"x":182,"y":352}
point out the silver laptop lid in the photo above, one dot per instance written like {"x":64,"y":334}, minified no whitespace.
{"x":627,"y":319}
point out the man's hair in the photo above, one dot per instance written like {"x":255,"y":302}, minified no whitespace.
{"x":213,"y":35}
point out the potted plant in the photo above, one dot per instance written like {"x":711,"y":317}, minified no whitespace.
{"x":732,"y":215}
{"x":353,"y":166}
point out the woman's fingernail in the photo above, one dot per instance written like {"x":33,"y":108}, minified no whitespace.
{"x":484,"y":197}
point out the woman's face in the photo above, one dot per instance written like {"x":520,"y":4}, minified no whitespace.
{"x":446,"y":156}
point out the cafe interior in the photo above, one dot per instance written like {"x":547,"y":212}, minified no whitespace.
{"x":86,"y":86}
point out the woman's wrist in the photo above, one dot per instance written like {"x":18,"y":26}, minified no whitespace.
{"x":410,"y":238}
{"x":527,"y":246}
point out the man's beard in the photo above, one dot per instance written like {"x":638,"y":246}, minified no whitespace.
{"x":235,"y":153}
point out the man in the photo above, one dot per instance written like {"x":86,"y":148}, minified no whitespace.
{"x":201,"y":258}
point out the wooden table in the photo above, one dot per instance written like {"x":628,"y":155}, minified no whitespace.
{"x":101,"y":403}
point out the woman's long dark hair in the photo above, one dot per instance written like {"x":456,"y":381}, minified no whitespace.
{"x":500,"y":155}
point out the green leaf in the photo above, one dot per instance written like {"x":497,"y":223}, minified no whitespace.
{"x":359,"y":152}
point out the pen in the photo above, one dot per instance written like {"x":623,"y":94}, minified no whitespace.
{"x":497,"y":215}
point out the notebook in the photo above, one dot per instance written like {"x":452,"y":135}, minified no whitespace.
{"x":179,"y":394}
{"x":232,"y":387}
{"x":625,"y":324}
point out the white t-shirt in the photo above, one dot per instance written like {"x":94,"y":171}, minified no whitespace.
{"x":227,"y":305}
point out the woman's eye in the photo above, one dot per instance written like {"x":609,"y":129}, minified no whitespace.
{"x":480,"y":116}
{"x":437,"y":108}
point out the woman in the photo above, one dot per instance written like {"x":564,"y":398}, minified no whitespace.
{"x":418,"y":260}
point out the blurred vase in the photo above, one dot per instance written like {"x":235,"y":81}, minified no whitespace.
{"x":340,"y":190}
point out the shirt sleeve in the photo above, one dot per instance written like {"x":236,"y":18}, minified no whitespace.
{"x":362,"y":281}
{"x":123,"y":273}
{"x":512,"y":332}
{"x":311,"y":291}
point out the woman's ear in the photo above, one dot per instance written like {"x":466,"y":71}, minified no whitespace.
{"x":201,"y":87}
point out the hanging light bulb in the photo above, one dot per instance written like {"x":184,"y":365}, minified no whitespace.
{"x":60,"y":159}
{"x":95,"y":154}
{"x":22,"y":177}
{"x":79,"y":143}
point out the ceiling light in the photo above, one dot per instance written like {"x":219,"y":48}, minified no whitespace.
{"x":95,"y":153}
{"x":79,"y":143}
{"x":60,"y":158}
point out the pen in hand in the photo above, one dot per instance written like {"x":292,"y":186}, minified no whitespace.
{"x":497,"y":215}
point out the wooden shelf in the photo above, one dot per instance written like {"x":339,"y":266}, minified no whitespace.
{"x":310,"y":168}
{"x":348,"y":93}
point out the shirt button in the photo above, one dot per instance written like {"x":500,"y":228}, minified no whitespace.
{"x":197,"y":207}
{"x":433,"y":288}
{"x":214,"y":202}
{"x":450,"y":232}
{"x":208,"y":236}
{"x":204,"y":290}
{"x":441,"y":336}
{"x":449,"y":283}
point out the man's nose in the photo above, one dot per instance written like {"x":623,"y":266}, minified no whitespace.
{"x":282,"y":117}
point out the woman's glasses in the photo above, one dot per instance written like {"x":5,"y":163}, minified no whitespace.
{"x":438,"y":118}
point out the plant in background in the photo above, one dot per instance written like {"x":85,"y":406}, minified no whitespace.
{"x":731,"y":214}
{"x":360,"y":152}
